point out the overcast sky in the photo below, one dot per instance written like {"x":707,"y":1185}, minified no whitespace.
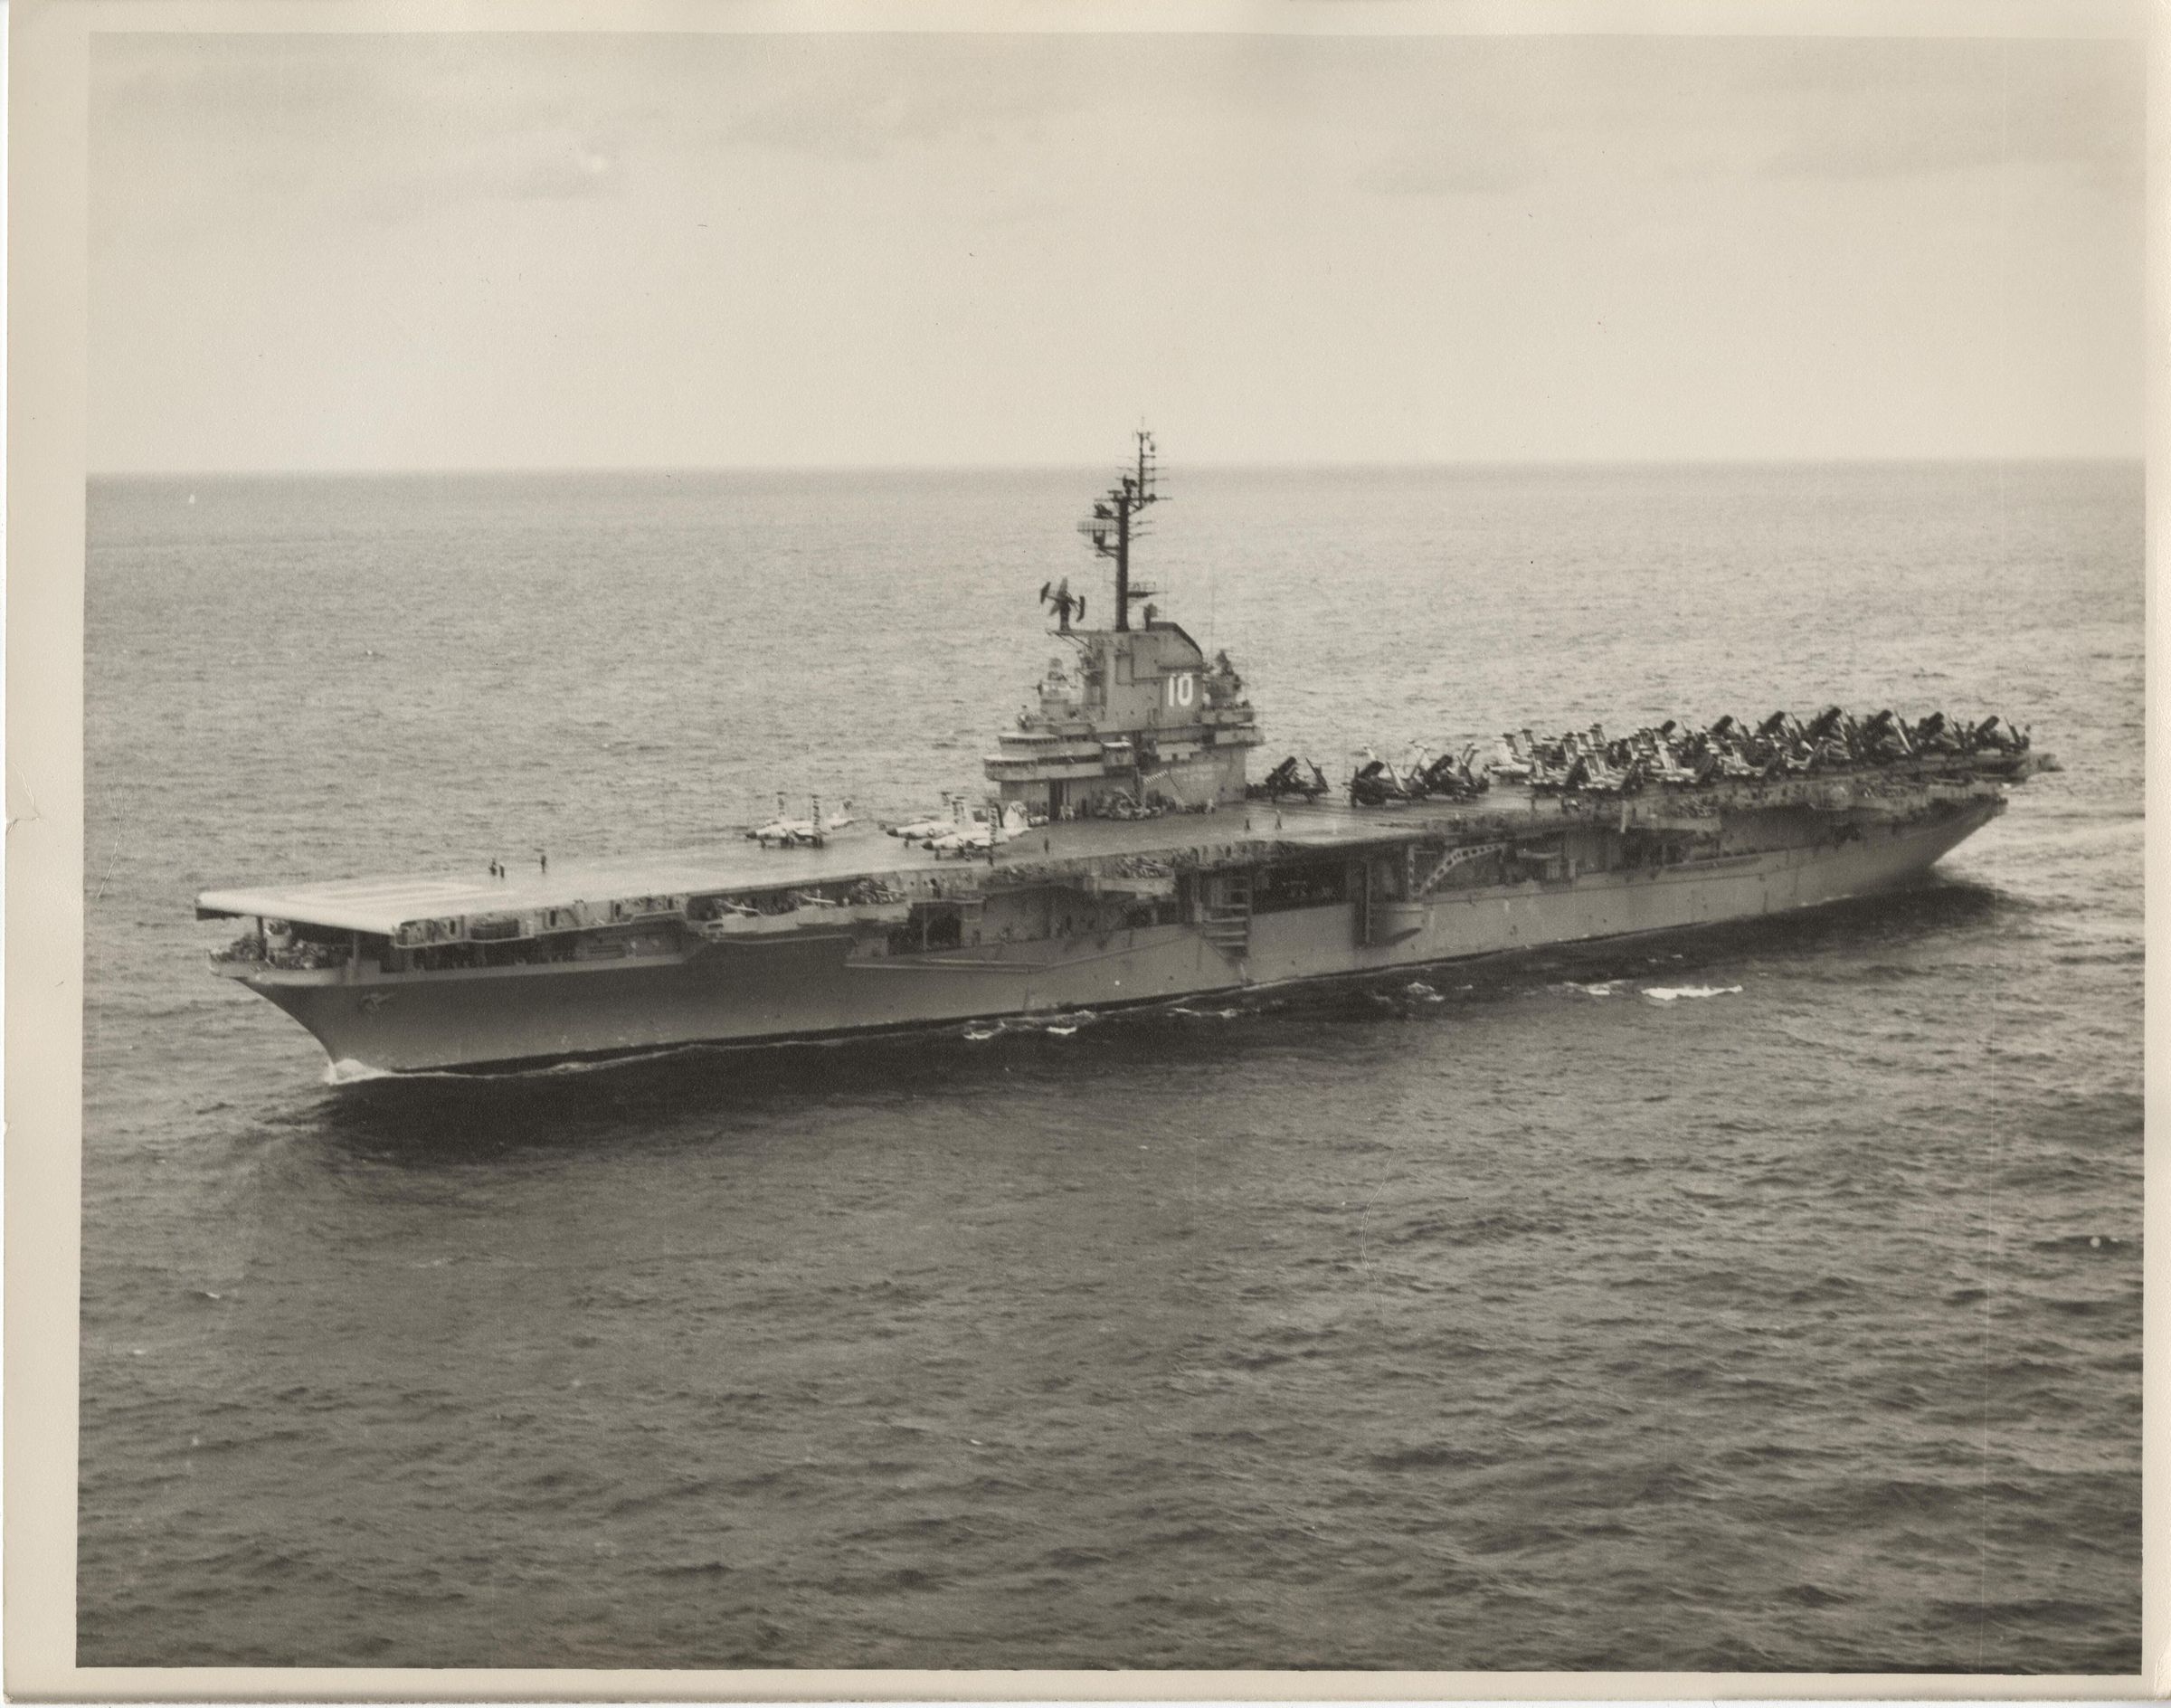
{"x":671,"y":251}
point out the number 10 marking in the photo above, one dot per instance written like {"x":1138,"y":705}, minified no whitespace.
{"x":1182,"y":689}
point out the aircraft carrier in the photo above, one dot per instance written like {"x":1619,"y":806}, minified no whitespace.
{"x":1121,"y":855}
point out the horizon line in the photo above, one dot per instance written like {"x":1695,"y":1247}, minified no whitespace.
{"x":1066,"y":466}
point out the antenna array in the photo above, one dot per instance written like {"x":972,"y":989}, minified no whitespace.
{"x":1117,"y":520}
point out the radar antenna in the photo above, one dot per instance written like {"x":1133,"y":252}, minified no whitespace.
{"x":1115,"y":522}
{"x":1064,"y":603}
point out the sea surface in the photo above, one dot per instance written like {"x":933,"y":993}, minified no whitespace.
{"x":1762,"y":1298}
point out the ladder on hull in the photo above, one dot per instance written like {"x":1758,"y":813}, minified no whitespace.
{"x":1225,"y":914}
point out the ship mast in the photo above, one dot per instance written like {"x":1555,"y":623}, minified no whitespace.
{"x":1115,"y":522}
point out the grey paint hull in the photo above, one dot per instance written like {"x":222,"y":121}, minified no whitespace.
{"x":752,"y":992}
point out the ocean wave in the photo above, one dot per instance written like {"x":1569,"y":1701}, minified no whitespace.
{"x":347,"y":1071}
{"x":1689,"y":993}
{"x":1064,"y":1025}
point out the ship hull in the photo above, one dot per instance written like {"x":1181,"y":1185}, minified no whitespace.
{"x":814,"y":987}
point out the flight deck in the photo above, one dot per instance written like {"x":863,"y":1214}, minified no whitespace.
{"x":737,"y":866}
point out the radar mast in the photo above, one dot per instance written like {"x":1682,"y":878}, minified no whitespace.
{"x":1115,"y":522}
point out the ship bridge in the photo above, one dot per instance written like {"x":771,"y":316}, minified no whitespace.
{"x":1143,"y":723}
{"x":1141,"y":717}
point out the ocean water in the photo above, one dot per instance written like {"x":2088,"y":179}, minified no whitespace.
{"x":1762,"y":1298}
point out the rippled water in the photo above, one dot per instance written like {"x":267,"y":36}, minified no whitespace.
{"x":1767,"y":1297}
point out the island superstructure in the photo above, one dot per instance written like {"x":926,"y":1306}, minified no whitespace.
{"x":1124,"y":855}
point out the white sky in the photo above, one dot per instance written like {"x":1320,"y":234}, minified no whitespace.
{"x":339,"y":251}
